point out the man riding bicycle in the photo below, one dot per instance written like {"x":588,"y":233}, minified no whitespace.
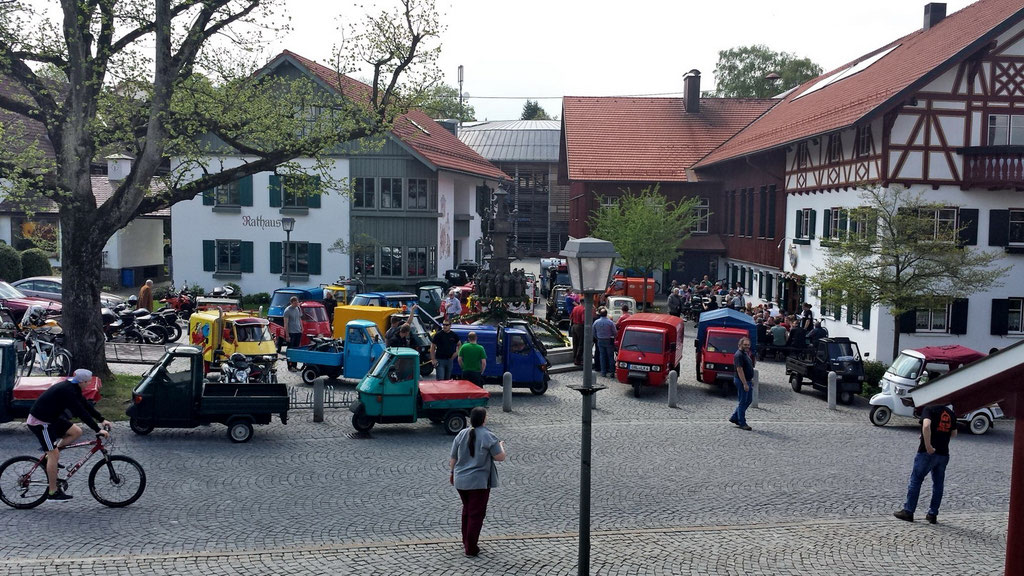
{"x":47,"y":421}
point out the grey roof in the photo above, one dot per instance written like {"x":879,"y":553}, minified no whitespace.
{"x":514,"y":140}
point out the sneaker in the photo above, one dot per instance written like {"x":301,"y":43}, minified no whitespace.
{"x":931,"y":518}
{"x":732,"y":419}
{"x":59,"y":495}
{"x":904,"y":515}
{"x":745,"y":427}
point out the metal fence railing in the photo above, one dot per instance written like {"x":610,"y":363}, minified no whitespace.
{"x":302,"y":399}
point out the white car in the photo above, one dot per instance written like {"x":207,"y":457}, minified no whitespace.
{"x":615,"y":303}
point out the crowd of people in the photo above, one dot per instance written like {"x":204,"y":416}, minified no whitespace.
{"x":778,"y":330}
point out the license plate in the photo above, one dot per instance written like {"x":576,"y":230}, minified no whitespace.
{"x":640,"y":367}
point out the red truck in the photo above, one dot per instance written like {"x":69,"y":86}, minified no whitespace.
{"x":718,"y":337}
{"x":314,"y":324}
{"x":649,"y":345}
{"x":640,"y":289}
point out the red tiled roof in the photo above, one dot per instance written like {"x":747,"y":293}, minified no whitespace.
{"x":913,"y":62}
{"x":440,"y":147}
{"x":430,"y":140}
{"x":647,"y":139}
{"x":346,"y":85}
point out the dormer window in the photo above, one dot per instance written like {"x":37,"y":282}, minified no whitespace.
{"x":1005,"y":130}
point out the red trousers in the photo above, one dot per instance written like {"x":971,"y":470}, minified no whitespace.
{"x":474,"y":508}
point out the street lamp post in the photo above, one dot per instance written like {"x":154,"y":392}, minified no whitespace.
{"x":590,"y":268}
{"x":287,"y":224}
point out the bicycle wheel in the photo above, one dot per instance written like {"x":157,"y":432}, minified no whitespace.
{"x":60,"y":364}
{"x":22,"y":482}
{"x":28,"y":363}
{"x":117,"y":481}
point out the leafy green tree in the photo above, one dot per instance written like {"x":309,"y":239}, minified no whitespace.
{"x":898,"y":255}
{"x":743,"y":72}
{"x":533,"y":111}
{"x":646,"y":228}
{"x":162,"y":78}
{"x":360,"y":242}
{"x":442,"y":101}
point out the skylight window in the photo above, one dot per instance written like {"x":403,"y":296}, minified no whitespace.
{"x":852,"y":70}
{"x":422,"y":129}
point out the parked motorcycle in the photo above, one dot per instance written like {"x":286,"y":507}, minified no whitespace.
{"x":167,"y":318}
{"x":183,"y":301}
{"x":236,"y":369}
{"x":122,"y":324}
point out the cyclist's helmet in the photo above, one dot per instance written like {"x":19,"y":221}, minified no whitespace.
{"x":238,"y":361}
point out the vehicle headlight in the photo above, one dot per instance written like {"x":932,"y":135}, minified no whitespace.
{"x":623,"y":365}
{"x":709,"y":366}
{"x":860,"y":378}
{"x":656,"y":369}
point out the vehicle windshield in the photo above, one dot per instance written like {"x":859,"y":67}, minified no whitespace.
{"x":724,"y":343}
{"x":905,"y":367}
{"x":8,"y":291}
{"x":363,"y":300}
{"x":420,"y":336}
{"x":381,"y":367}
{"x":843,"y":351}
{"x":374,"y":334}
{"x":252,"y":332}
{"x":281,"y":299}
{"x":314,"y":314}
{"x":641,"y":341}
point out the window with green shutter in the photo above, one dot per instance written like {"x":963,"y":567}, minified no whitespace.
{"x":275,"y":258}
{"x":209,"y":256}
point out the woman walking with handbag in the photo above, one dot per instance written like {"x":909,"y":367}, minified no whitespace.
{"x":473,"y":473}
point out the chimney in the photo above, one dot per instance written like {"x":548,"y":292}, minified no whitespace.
{"x":118,"y":167}
{"x":691,"y":91}
{"x":934,"y":12}
{"x":449,"y":124}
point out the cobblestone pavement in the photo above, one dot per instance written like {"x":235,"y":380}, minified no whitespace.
{"x":675,"y":491}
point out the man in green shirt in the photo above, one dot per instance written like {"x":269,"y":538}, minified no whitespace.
{"x":472,"y":360}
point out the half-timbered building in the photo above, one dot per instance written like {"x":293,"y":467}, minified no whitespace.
{"x":941,"y":111}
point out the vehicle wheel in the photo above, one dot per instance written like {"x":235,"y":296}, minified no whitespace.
{"x":454,"y":422}
{"x":796,"y":382}
{"x":361,"y":422}
{"x":980,"y":424}
{"x":28,"y":363}
{"x":22,"y":482}
{"x":61,"y":364}
{"x":117,"y":482}
{"x":240,"y":431}
{"x":426,"y":368}
{"x":154,"y":335}
{"x":880,"y":415}
{"x":138,"y":427}
{"x":845,"y":397}
{"x":174,"y":332}
{"x":309,"y":374}
{"x":538,"y":388}
{"x":636,"y":389}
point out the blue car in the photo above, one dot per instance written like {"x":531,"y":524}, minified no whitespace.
{"x":385,"y":299}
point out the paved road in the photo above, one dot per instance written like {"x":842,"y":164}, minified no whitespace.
{"x":675,"y":491}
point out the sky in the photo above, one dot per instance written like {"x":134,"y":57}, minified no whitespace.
{"x":544,"y":50}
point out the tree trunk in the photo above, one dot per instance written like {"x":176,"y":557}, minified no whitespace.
{"x":81,"y":260}
{"x":895,"y":336}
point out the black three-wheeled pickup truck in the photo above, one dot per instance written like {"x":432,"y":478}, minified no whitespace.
{"x":174,"y":394}
{"x":840,"y":355}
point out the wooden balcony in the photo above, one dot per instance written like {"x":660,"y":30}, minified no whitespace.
{"x":993,"y":167}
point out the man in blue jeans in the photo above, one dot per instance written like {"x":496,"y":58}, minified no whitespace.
{"x":743,"y":360}
{"x":604,"y":333}
{"x":938,"y":427}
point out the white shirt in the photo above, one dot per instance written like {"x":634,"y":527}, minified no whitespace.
{"x":452,"y":306}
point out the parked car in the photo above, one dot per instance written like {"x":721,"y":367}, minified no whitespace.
{"x":17,"y":303}
{"x":649,"y":346}
{"x":49,"y":287}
